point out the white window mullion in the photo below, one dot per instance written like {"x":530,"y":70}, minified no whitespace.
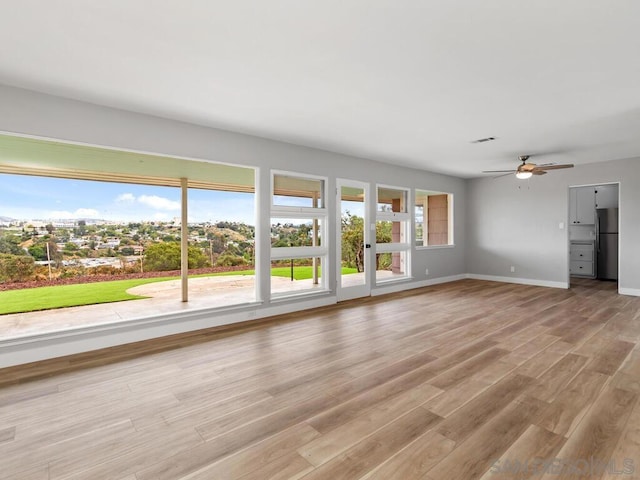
{"x":283,"y":253}
{"x":392,"y":247}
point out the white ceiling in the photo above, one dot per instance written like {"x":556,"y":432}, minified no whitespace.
{"x":401,"y":81}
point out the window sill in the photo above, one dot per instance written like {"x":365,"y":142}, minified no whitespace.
{"x":282,"y":297}
{"x":124,"y":324}
{"x":434,"y":247}
{"x":393,"y":280}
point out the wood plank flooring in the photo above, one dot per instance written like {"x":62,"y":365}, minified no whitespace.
{"x":464,"y":380}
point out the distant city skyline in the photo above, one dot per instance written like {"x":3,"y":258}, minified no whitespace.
{"x":25,"y":197}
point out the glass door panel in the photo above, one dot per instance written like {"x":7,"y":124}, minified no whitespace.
{"x":353,"y":257}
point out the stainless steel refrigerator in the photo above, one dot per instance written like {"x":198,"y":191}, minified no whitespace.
{"x":607,"y":243}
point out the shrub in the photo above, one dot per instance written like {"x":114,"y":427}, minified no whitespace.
{"x":16,"y":268}
{"x":230,"y":260}
{"x":165,"y":256}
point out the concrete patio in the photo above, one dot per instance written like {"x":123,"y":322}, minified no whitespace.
{"x":204,"y":293}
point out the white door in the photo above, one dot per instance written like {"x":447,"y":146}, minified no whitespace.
{"x":607,"y":196}
{"x":353,"y":240}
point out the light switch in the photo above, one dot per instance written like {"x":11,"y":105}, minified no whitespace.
{"x":561,"y":225}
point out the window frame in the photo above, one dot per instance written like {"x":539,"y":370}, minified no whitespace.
{"x":425,"y":218}
{"x":406,"y":231}
{"x":302,"y":176}
{"x":183,"y":186}
{"x":292,"y":212}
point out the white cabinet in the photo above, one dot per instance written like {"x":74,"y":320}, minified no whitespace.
{"x":582,"y":206}
{"x":581,"y":259}
{"x":607,"y":196}
{"x":581,"y":269}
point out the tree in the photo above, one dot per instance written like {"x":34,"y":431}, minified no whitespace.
{"x":81,"y":229}
{"x":353,"y":241}
{"x":63,"y":235}
{"x":10,"y":244}
{"x":50,"y":228}
{"x":162,"y":256}
{"x":166,"y":256}
{"x":70,"y":248}
{"x":383,"y":235}
{"x":229,"y":258}
{"x":16,"y":268}
{"x":197,"y":258}
{"x":38,"y":251}
{"x":217,"y":243}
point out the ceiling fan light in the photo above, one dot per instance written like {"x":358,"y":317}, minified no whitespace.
{"x":522,"y":175}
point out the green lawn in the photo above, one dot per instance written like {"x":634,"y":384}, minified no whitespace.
{"x":45,"y":298}
{"x":299,"y":273}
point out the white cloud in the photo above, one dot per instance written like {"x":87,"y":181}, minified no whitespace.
{"x":60,"y":214}
{"x":126,"y":198}
{"x":79,"y":213}
{"x":152,"y":201}
{"x":86,"y":212}
{"x":158,"y":203}
{"x":160,"y":216}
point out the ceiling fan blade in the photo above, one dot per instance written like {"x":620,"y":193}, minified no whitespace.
{"x":498,"y":171}
{"x":503,"y":175}
{"x":538,"y":172}
{"x":554,"y":167}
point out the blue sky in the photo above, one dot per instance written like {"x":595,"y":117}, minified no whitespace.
{"x":354,"y":208}
{"x":31,"y":198}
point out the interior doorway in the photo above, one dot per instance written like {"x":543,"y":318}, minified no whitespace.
{"x":594,"y":235}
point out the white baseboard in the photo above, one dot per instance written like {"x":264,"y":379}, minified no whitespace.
{"x":401,"y":286}
{"x":522,"y":281}
{"x":635,"y":292}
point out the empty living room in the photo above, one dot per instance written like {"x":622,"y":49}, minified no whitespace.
{"x":319,"y":240}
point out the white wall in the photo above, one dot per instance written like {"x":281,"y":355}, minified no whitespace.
{"x":515,"y":222}
{"x":29,"y":113}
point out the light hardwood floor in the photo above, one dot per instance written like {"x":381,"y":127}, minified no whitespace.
{"x":456,"y":381}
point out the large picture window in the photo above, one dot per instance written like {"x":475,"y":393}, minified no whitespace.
{"x":81,"y":248}
{"x":392,"y":234}
{"x":298,"y":228}
{"x":434,"y":218}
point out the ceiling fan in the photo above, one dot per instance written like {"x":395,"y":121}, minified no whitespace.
{"x":526,"y":170}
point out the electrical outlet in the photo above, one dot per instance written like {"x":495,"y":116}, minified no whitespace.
{"x":513,"y":269}
{"x":426,"y":271}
